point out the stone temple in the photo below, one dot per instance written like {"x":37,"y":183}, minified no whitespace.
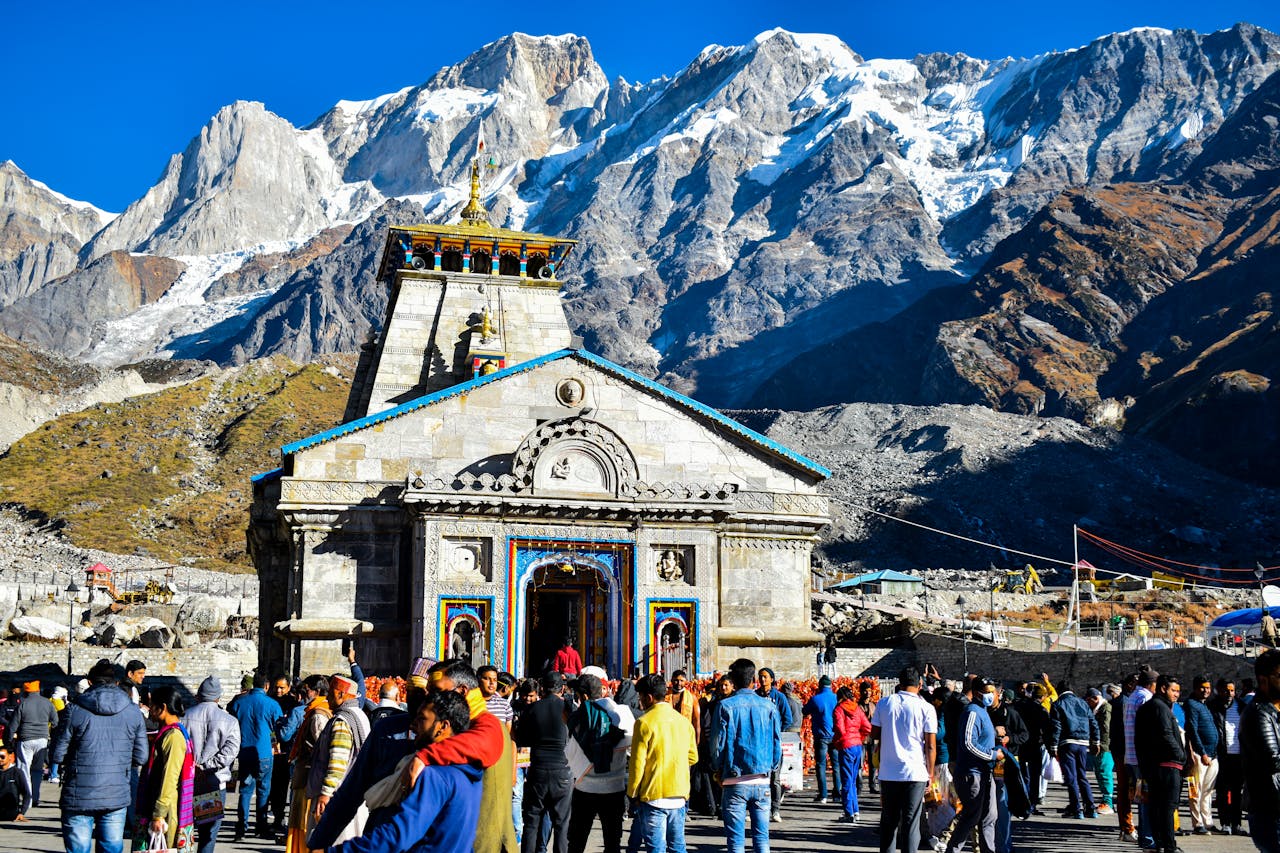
{"x":494,"y":489}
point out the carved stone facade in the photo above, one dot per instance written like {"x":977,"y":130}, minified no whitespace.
{"x":558,"y":496}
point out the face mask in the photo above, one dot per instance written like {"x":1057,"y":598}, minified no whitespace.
{"x":988,"y":699}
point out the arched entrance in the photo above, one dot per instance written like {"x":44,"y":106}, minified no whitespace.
{"x":574,"y":589}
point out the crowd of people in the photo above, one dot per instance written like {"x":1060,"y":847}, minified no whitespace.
{"x":478,"y":760}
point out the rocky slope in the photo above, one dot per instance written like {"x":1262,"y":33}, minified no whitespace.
{"x":1146,"y":305}
{"x":1016,"y":481}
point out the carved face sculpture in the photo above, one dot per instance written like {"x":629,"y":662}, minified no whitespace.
{"x":670,"y":566}
{"x":570,"y":392}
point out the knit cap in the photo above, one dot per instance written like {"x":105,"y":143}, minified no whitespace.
{"x":210,"y":690}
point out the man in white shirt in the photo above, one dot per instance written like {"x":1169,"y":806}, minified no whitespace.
{"x":905,"y":729}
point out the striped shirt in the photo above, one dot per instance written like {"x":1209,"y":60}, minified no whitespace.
{"x":1131,"y":706}
{"x":500,"y":707}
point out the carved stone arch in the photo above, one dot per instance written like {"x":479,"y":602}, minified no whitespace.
{"x":575,"y":455}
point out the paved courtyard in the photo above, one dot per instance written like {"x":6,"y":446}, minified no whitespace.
{"x":806,"y":828}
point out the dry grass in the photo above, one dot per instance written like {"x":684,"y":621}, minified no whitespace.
{"x":123,"y":476}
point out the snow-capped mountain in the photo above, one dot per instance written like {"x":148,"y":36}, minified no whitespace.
{"x":40,"y":232}
{"x":765,"y":200}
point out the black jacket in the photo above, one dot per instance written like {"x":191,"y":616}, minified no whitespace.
{"x":1156,"y":737}
{"x":1117,"y":728}
{"x":1014,"y":727}
{"x":1260,"y":750}
{"x":542,"y":729}
{"x":1036,"y":719}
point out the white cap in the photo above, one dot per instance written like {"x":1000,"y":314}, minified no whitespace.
{"x":597,"y":671}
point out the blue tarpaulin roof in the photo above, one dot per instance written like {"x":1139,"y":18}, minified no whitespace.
{"x":1243,"y":618}
{"x":873,"y":577}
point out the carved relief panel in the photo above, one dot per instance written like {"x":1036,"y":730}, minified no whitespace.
{"x":465,"y":560}
{"x":672,"y":563}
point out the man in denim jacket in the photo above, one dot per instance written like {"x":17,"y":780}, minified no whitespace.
{"x":746,"y":746}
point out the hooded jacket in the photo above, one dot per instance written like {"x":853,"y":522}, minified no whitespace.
{"x":104,"y":736}
{"x":215,"y":736}
{"x":852,"y":726}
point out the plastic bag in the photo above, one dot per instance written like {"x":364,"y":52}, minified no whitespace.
{"x":939,"y":815}
{"x":1052,"y":771}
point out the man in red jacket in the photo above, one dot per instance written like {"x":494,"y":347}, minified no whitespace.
{"x":567,"y":661}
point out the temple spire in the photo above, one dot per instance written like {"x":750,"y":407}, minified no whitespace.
{"x":474,"y":213}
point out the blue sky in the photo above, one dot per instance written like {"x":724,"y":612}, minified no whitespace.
{"x":99,"y":95}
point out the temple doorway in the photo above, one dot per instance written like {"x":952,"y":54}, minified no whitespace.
{"x":566,"y":600}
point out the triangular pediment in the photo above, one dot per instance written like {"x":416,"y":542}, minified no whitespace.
{"x":508,"y":405}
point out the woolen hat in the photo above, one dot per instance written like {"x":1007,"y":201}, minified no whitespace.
{"x":824,"y":681}
{"x":210,"y":690}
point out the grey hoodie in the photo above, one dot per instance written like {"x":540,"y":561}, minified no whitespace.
{"x":215,"y":737}
{"x":105,"y":734}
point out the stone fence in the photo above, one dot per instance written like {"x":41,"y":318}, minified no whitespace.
{"x":1082,"y":668}
{"x":184,"y":667}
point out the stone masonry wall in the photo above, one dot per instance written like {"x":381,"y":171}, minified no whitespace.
{"x":1084,"y":669}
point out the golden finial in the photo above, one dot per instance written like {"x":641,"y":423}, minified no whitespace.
{"x":474,"y":213}
{"x":486,"y":325}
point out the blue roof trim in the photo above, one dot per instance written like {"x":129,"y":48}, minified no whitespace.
{"x":420,"y":402}
{"x":273,"y":474}
{"x":705,"y":410}
{"x":591,"y":358}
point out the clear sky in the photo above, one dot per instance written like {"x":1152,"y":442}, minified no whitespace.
{"x":98,"y":96}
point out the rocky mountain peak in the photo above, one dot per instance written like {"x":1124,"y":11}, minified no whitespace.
{"x":247,"y":178}
{"x":543,"y":66}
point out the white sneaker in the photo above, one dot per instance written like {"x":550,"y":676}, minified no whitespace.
{"x":824,"y":800}
{"x":776,"y":818}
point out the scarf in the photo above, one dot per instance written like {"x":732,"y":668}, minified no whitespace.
{"x":593,"y":729}
{"x":312,"y":707}
{"x":147,"y":795}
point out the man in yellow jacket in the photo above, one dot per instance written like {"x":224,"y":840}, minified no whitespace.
{"x":663,"y":748}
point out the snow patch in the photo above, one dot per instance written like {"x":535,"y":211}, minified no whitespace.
{"x":182,"y":310}
{"x":357,"y":108}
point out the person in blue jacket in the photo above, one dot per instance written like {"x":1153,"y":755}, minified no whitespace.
{"x":257,"y":713}
{"x":975,"y":761}
{"x":746,"y":746}
{"x":104,"y":737}
{"x":769,"y":690}
{"x":820,"y":709}
{"x":440,"y":812}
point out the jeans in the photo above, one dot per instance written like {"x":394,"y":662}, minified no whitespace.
{"x":900,"y":808}
{"x":207,"y":834}
{"x":1144,"y":810}
{"x":978,"y":809}
{"x":1264,"y":829}
{"x":517,"y":803}
{"x":1079,"y":793}
{"x":736,"y":801}
{"x":850,"y":758}
{"x":821,"y":748}
{"x":548,"y":791}
{"x":658,"y":830}
{"x":582,"y":814}
{"x":1104,"y":771}
{"x":1004,"y":828}
{"x":31,"y":768}
{"x":253,"y":774}
{"x":81,"y":829}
